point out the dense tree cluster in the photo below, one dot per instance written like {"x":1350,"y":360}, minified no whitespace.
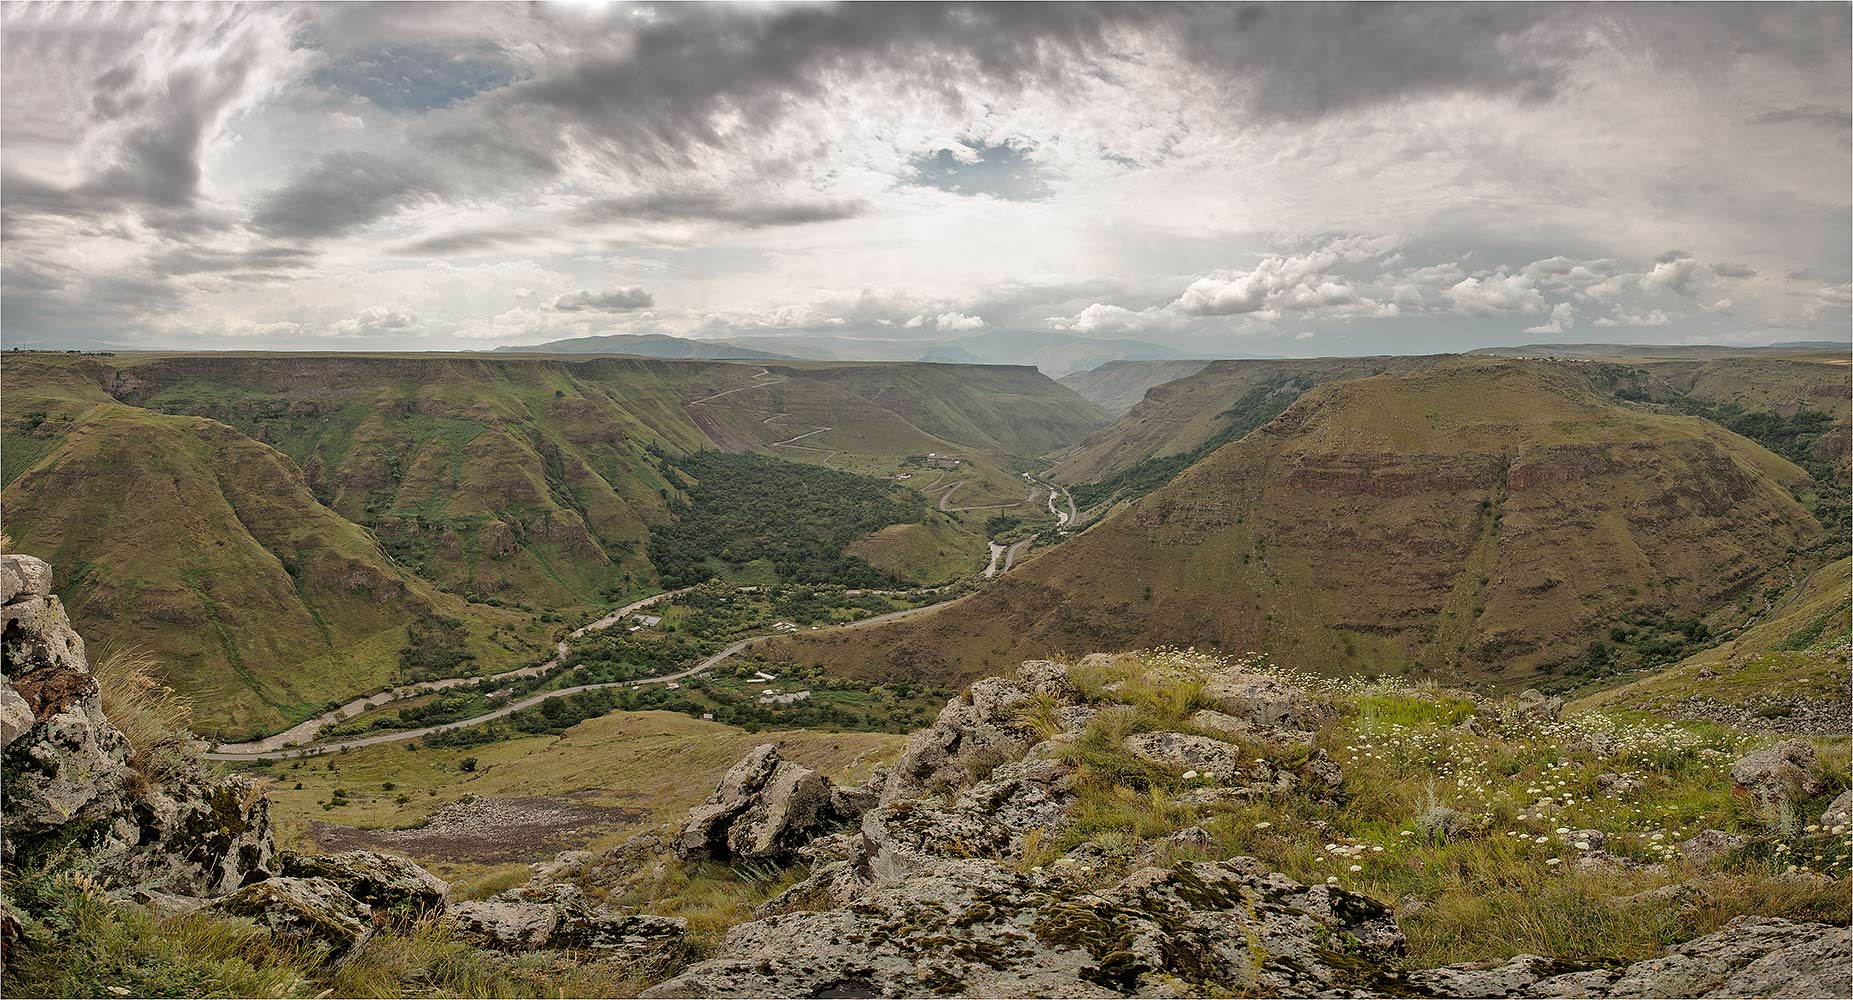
{"x":796,"y":517}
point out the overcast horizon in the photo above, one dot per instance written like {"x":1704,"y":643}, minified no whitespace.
{"x":1218,"y":180}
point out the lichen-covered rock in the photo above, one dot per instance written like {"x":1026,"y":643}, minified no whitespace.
{"x":1840,"y":812}
{"x":65,"y":771}
{"x":972,"y":734}
{"x":1222,"y":723}
{"x":504,"y":926}
{"x":1778,"y":774}
{"x":980,"y":928}
{"x":200,"y":836}
{"x":765,"y":808}
{"x":385,"y":882}
{"x":632,"y":937}
{"x":312,"y":913}
{"x":1751,"y":956}
{"x":67,"y":777}
{"x":1211,"y":758}
{"x":558,"y":915}
{"x":1536,"y":706}
{"x":1265,"y":701}
{"x":1710,"y":845}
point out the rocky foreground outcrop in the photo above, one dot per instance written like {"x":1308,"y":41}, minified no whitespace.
{"x":68,"y":780}
{"x":939,"y":886}
{"x":185,"y":839}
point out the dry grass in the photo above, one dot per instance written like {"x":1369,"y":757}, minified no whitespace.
{"x":155,"y":719}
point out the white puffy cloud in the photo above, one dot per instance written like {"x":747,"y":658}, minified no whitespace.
{"x":1496,"y":294}
{"x":1623,"y":317}
{"x":1563,"y":316}
{"x":953,"y":322}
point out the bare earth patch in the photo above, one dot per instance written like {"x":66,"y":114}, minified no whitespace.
{"x":487,"y":829}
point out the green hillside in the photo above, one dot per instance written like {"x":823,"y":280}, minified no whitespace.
{"x":182,"y":536}
{"x":288,"y":517}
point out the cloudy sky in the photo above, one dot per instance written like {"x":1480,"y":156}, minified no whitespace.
{"x":1300,"y":179}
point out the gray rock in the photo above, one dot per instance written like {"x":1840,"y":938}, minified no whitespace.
{"x":382,"y":881}
{"x":632,"y":937}
{"x":1710,"y":845}
{"x":1534,"y":705}
{"x":1264,"y":701}
{"x":505,"y":926}
{"x":972,"y":734}
{"x":1046,"y":677}
{"x":1778,"y":774}
{"x":764,"y":809}
{"x":1840,"y":813}
{"x":1224,"y":724}
{"x":68,"y":777}
{"x":1212,"y":758}
{"x":980,"y":928}
{"x":1617,"y":784}
{"x":311,"y":913}
{"x":1751,"y":956}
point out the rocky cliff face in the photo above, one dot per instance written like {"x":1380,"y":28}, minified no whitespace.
{"x":69,"y":784}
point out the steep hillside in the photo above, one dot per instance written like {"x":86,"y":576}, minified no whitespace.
{"x":290,"y":517}
{"x":1476,"y":522}
{"x":187,"y":538}
{"x":1118,"y":386}
{"x":1785,"y":673}
{"x":1006,"y":409}
{"x":1179,"y":416}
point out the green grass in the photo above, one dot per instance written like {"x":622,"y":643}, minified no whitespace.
{"x":1512,"y":885}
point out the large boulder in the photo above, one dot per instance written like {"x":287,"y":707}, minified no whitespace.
{"x":972,"y":734}
{"x":504,"y":925}
{"x":68,"y":778}
{"x":1211,"y":758}
{"x":1777,"y":775}
{"x":765,"y":808}
{"x":385,"y":882}
{"x":558,"y":915}
{"x":65,"y":772}
{"x":1750,"y":957}
{"x":312,"y":913}
{"x":981,"y":928}
{"x":1263,"y":700}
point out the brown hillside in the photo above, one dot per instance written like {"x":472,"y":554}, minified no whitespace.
{"x":1478,"y":522}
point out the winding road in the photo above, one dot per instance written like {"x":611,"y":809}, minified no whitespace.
{"x":761,"y":380}
{"x":271,"y":749}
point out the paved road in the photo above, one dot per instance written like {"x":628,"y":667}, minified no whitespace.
{"x":226,"y":753}
{"x":1010,"y":558}
{"x":946,"y":499}
{"x":762,"y":379}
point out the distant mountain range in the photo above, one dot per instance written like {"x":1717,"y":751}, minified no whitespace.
{"x":1056,"y":354}
{"x":1665,"y":352}
{"x":649,"y":345}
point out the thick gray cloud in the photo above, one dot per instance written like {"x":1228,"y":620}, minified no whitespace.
{"x":613,"y":300}
{"x":428,"y":175}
